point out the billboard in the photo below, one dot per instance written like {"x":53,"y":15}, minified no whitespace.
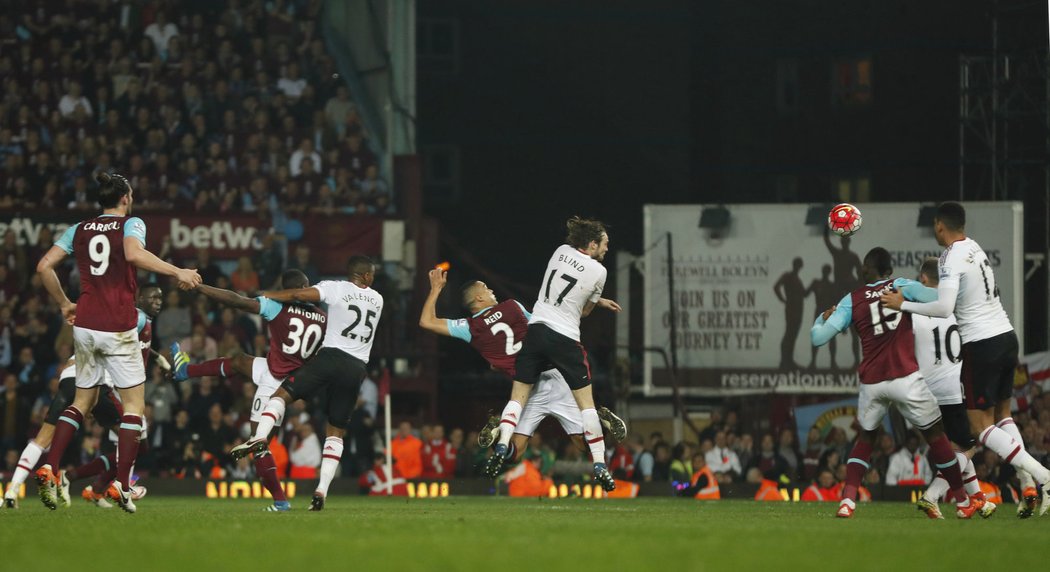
{"x":745,"y":299}
{"x":331,"y":238}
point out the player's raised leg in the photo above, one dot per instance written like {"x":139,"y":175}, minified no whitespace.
{"x":27,"y":461}
{"x":66,"y":428}
{"x":1029,"y":492}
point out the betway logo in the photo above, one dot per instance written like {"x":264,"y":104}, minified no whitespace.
{"x":221,"y":235}
{"x":27,"y":232}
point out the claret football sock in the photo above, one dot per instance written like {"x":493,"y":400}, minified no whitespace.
{"x":67,"y":426}
{"x":127,"y":447}
{"x":212,"y":367}
{"x":266,"y":468}
{"x":856,"y":467}
{"x":943,"y":458}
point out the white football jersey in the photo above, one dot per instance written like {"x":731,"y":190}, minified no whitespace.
{"x":572,"y":279}
{"x":978,"y":309}
{"x":353,"y":315}
{"x":938,"y":349}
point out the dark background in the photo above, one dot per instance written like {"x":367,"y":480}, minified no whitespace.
{"x":530,"y":112}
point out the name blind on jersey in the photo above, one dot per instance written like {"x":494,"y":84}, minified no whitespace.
{"x":571,"y":281}
{"x":353,"y":315}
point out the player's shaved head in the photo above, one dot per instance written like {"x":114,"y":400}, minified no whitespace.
{"x":878,"y":263}
{"x":468,"y":292}
{"x":929,"y":270}
{"x":294,"y":278}
{"x":361,"y":268}
{"x":952,"y":215}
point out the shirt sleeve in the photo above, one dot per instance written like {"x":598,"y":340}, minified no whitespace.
{"x":65,"y":242}
{"x":822,"y":331}
{"x":142,"y":321}
{"x":528,"y":314}
{"x":914,"y":291}
{"x":327,"y":290}
{"x":268,"y":308}
{"x":137,"y":228}
{"x":598,"y":287}
{"x":459,"y":329}
{"x":942,"y":307}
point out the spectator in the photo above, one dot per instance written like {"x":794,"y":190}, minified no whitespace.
{"x":768,"y":462}
{"x":407,"y":450}
{"x":160,"y":32}
{"x":290,"y":84}
{"x":174,"y":321}
{"x":245,"y":279}
{"x":745,"y":449}
{"x":362,"y":426}
{"x":72,"y":100}
{"x":644,"y":460}
{"x":722,"y":460}
{"x":16,"y":406}
{"x":822,"y":489}
{"x":339,"y":110}
{"x":439,"y":458}
{"x":811,"y":458}
{"x":662,"y":462}
{"x":908,"y":466}
{"x":209,"y":271}
{"x":681,"y":463}
{"x":788,"y":449}
{"x":302,"y":262}
{"x":305,"y":453}
{"x":305,"y":152}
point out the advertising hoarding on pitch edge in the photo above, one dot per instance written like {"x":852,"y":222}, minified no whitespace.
{"x":745,"y":300}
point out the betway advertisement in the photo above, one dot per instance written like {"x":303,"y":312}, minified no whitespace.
{"x":746,"y":299}
{"x":332,"y":239}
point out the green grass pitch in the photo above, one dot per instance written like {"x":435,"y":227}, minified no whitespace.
{"x":475,"y":533}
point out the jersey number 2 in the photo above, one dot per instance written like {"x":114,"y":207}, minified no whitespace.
{"x":512,"y":346}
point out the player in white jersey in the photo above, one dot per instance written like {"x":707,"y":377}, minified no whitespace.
{"x":338,"y":369}
{"x":989,"y":346}
{"x":571,"y":288}
{"x":938,"y":349}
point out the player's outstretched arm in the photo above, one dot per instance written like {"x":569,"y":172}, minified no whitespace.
{"x":138,"y":256}
{"x":46,"y":269}
{"x":230,"y":298}
{"x":942,"y":307}
{"x":312,"y":295}
{"x":428,"y":319}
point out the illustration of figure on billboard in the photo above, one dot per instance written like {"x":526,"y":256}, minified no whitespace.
{"x":826,"y":295}
{"x":846,"y":269}
{"x":791,"y":293}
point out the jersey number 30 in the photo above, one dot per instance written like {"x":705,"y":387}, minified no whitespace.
{"x":302,"y":339}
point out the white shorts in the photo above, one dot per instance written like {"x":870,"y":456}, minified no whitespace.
{"x":947,"y":389}
{"x":265,"y":386}
{"x":551,"y":396}
{"x":909,"y":393}
{"x":115,"y":353}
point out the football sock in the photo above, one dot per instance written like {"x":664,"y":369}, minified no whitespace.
{"x":1013,"y":452}
{"x":212,"y":367}
{"x":969,"y":475}
{"x":272,"y":415}
{"x":508,"y":421}
{"x":67,"y":426}
{"x":127,"y":447}
{"x":943,"y":458}
{"x":333,"y":451}
{"x":94,"y":467}
{"x":266,"y":468}
{"x":856,"y":467}
{"x":938,"y":487}
{"x":592,"y":433}
{"x":1010,"y":427}
{"x":26,"y":463}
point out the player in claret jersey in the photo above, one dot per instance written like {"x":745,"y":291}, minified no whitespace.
{"x":354,"y":310}
{"x":107,"y":248}
{"x":967,"y":288}
{"x":295,"y":332}
{"x":496,"y":330}
{"x":889,"y":375}
{"x":571,"y":289}
{"x":107,"y":413}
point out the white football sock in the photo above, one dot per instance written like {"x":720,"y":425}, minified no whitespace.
{"x":271,"y":416}
{"x":26,"y":463}
{"x":333,"y":451}
{"x":937,"y":489}
{"x":1011,"y":428}
{"x":1013,"y":452}
{"x":969,"y":475}
{"x":592,"y":433}
{"x":508,"y":421}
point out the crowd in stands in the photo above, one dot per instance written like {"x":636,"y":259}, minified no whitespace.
{"x":218,"y":106}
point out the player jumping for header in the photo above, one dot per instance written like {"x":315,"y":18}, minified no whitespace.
{"x":571,"y":288}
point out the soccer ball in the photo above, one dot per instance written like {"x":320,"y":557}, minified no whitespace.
{"x":844,"y":219}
